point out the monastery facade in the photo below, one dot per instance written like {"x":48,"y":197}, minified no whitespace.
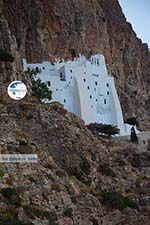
{"x":85,"y":88}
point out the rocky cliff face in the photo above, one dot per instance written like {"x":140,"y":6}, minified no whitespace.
{"x":77,"y":176}
{"x":79,"y":179}
{"x":43,"y":29}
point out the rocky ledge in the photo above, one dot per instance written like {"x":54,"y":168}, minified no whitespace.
{"x":79,"y":178}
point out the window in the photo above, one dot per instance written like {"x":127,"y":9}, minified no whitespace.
{"x":43,"y":68}
{"x":94,"y":89}
{"x":88,"y":87}
{"x":107,"y":85}
{"x":84,"y":80}
{"x":84,"y":72}
{"x":107,"y":92}
{"x":91,"y":106}
{"x":71,"y":77}
{"x":64,"y":100}
{"x":62,"y":76}
{"x":97,"y":61}
{"x":56,"y":89}
{"x":96,"y":100}
{"x":105,"y":101}
{"x":70,"y":71}
{"x":90,"y":96}
{"x":96,"y":83}
{"x":48,"y":83}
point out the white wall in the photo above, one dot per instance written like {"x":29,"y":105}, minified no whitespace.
{"x":87,"y":90}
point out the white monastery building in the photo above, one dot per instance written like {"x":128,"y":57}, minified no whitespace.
{"x":84,"y":87}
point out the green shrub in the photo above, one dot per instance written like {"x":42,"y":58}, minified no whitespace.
{"x":68,"y":212}
{"x":5,"y":56}
{"x":12,"y":195}
{"x":76,"y":172}
{"x":94,"y":221}
{"x":135,"y":161}
{"x":39,"y":88}
{"x":85,"y":166}
{"x":103,"y":129}
{"x":23,"y":142}
{"x":33,"y":212}
{"x":133,"y":136}
{"x":106,"y":170}
{"x":121,"y":162}
{"x":118,"y":201}
{"x":7,"y":219}
{"x":2,"y":173}
{"x":73,"y":53}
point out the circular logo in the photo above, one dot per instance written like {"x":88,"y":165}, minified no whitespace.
{"x":17,"y":90}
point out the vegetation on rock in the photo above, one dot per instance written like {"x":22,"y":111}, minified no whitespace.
{"x":118,"y":201}
{"x":12,"y":195}
{"x":103,"y":129}
{"x":39,"y":88}
{"x":105,"y":169}
{"x":133,"y":136}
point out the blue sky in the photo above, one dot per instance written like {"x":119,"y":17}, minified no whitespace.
{"x":137,"y":12}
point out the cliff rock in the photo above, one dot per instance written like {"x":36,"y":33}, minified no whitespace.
{"x":45,"y":29}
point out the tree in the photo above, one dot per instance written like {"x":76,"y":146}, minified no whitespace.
{"x":73,"y":53}
{"x":132,"y":121}
{"x":133,"y":136}
{"x":39,"y":88}
{"x":106,"y":129}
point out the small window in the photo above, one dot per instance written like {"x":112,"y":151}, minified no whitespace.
{"x":90,"y":96}
{"x":144,"y":142}
{"x":56,"y":89}
{"x":71,"y":77}
{"x":91,"y":106}
{"x":64,"y":100}
{"x":62,"y":76}
{"x":94,"y":89}
{"x":48,"y":83}
{"x":70,"y":71}
{"x":105,"y":101}
{"x":84,"y":72}
{"x":96,"y":83}
{"x":107,"y":92}
{"x":107,"y":85}
{"x":43,"y":68}
{"x":97,"y":61}
{"x":88,"y":87}
{"x":96,"y":100}
{"x":84,"y":80}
